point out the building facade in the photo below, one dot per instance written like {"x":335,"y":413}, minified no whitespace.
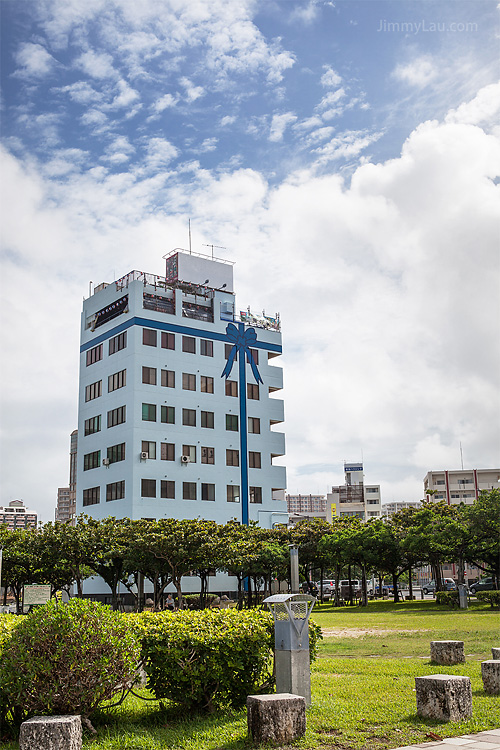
{"x":304,"y":507}
{"x":16,"y":515}
{"x":177,"y":404}
{"x":63,"y":512}
{"x":460,"y":486}
{"x":389,"y":509}
{"x":354,"y":498}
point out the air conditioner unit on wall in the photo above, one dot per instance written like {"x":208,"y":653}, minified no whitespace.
{"x":184,"y":459}
{"x":144,"y":455}
{"x":105,"y":462}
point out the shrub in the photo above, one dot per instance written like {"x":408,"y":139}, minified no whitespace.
{"x":493,"y":597}
{"x":207,"y":658}
{"x":7,"y":625}
{"x":193,"y":601}
{"x":448,"y":597}
{"x":66,"y":659}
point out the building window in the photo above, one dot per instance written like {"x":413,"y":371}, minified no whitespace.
{"x":206,"y":348}
{"x":167,"y":489}
{"x":92,"y":425}
{"x":189,"y":490}
{"x":148,"y":337}
{"x":115,"y":491}
{"x":167,"y":340}
{"x":190,"y":452}
{"x":92,"y":460}
{"x":254,"y":460}
{"x":232,"y":458}
{"x":440,"y":481}
{"x":91,"y":496}
{"x":233,"y":493}
{"x":94,"y":355}
{"x":207,"y":419}
{"x":231,"y":388}
{"x":168,"y":414}
{"x":149,"y":375}
{"x":94,"y":390}
{"x":149,"y":412}
{"x":189,"y":344}
{"x":167,"y":451}
{"x":208,"y":492}
{"x":189,"y":417}
{"x":232,"y":422}
{"x":253,"y":391}
{"x":149,"y":447}
{"x":227,"y":351}
{"x":117,"y":380}
{"x":254,"y":425}
{"x":116,"y":416}
{"x":117,"y":343}
{"x":148,"y":487}
{"x":206,"y":384}
{"x":116,"y":453}
{"x":168,"y":378}
{"x":207,"y":455}
{"x":188,"y":381}
{"x":256,"y":495}
{"x":255,"y":355}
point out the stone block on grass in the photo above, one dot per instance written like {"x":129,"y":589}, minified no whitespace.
{"x":490,"y":672}
{"x":51,"y":733}
{"x":444,"y":697}
{"x":447,"y":652}
{"x":276,"y":719}
{"x":495,"y":653}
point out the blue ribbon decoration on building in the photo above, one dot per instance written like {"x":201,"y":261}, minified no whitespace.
{"x":242,"y":340}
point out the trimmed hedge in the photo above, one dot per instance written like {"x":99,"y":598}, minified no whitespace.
{"x":212,"y":657}
{"x":66,"y":659}
{"x":493,"y":597}
{"x":448,"y":597}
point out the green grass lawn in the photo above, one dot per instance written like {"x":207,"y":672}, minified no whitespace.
{"x":362,"y":687}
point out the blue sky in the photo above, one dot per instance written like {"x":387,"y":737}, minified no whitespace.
{"x":344,"y":153}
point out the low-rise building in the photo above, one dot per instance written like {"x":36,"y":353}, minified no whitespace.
{"x":460,"y":485}
{"x":16,"y":515}
{"x":354,"y":498}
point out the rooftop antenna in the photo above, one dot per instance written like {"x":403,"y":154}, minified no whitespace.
{"x":461,"y":455}
{"x":219,"y":247}
{"x":189,"y":229}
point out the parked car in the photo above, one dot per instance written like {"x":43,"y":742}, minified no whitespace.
{"x":430,"y":587}
{"x":387,"y":588}
{"x":485,"y":584}
{"x":327,"y":587}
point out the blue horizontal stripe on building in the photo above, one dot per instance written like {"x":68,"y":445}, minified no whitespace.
{"x":172,"y":328}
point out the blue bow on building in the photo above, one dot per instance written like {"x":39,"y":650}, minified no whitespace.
{"x":242,"y":340}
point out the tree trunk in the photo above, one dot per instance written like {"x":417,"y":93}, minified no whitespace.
{"x":364,"y":595}
{"x":410,"y":582}
{"x":395,"y":588}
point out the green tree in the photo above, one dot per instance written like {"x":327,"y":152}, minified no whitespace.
{"x":483,"y":548}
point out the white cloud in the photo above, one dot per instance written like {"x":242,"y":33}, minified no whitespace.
{"x":96,"y":65}
{"x":164,"y":102}
{"x":227,"y":120}
{"x":330,"y":78}
{"x":305,"y":14}
{"x":192,"y":92}
{"x":482,"y":110}
{"x":34,"y":61}
{"x":160,"y":152}
{"x":125,"y":97}
{"x":279,"y":124}
{"x":418,"y":72}
{"x":333,"y":97}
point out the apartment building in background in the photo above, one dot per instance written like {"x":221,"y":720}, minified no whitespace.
{"x":305,"y":507}
{"x":389,"y":509}
{"x":63,"y":513}
{"x":16,"y":515}
{"x":178,"y":402}
{"x":354,"y":498}
{"x":460,"y":485}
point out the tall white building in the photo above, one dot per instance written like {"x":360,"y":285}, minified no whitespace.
{"x":354,"y":498}
{"x":177,"y":404}
{"x":460,"y":486}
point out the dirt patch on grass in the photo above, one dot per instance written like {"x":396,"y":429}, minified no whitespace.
{"x":360,"y":632}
